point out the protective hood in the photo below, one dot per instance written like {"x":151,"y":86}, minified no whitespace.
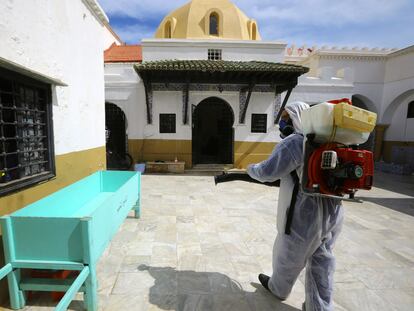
{"x":294,"y":110}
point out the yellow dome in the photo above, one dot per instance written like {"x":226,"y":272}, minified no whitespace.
{"x":208,"y":19}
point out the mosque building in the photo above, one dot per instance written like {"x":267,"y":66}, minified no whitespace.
{"x":207,"y":89}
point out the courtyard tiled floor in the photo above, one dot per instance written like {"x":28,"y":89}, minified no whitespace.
{"x":200,"y":247}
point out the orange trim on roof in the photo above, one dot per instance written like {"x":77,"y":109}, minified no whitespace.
{"x":123,"y":54}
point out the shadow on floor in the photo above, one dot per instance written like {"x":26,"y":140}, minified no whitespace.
{"x":402,"y":205}
{"x":402,"y":184}
{"x":204,"y":291}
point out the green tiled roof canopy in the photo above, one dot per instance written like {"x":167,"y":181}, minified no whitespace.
{"x":222,"y":66}
{"x":209,"y":71}
{"x":277,"y":77}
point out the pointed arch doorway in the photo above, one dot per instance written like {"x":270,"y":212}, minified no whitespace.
{"x":213,"y":132}
{"x":115,"y":123}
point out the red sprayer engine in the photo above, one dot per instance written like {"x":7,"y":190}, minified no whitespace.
{"x":335,"y":170}
{"x":334,"y":164}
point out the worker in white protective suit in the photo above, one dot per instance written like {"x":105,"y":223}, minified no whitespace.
{"x":315,"y":222}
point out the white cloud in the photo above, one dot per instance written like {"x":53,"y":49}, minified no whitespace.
{"x":300,"y":21}
{"x":134,"y":33}
{"x":139,"y":8}
{"x":317,"y":12}
{"x":322,"y":12}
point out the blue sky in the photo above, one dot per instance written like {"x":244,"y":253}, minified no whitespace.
{"x":362,"y":23}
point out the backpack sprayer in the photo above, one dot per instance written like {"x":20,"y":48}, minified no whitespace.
{"x":334,"y":166}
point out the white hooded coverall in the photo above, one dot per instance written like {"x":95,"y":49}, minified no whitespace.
{"x":314,"y":229}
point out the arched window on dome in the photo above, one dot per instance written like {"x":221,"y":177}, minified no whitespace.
{"x":167,"y":30}
{"x":214,"y":24}
{"x":254,"y":31}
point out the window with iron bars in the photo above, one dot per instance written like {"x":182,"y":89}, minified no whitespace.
{"x":259,"y":123}
{"x":214,"y":54}
{"x":26,"y":136}
{"x":167,"y":123}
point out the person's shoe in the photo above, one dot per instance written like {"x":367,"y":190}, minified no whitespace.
{"x":264,"y":280}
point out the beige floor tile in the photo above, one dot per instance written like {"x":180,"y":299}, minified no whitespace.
{"x":385,"y":278}
{"x":362,"y":299}
{"x":133,"y":283}
{"x":201,"y":247}
{"x":126,"y":302}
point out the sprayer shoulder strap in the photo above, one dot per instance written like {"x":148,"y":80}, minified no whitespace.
{"x":291,"y":210}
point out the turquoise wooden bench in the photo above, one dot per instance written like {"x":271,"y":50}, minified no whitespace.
{"x":67,"y":230}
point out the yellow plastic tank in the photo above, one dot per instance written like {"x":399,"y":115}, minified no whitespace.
{"x":341,"y":123}
{"x":354,"y":118}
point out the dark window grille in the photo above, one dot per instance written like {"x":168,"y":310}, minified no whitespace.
{"x":410,"y":112}
{"x":26,"y":148}
{"x":214,"y":54}
{"x":167,"y":123}
{"x":259,"y":123}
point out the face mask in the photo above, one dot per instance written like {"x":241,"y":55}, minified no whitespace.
{"x":286,"y":128}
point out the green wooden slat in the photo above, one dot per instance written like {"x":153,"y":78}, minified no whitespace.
{"x":70,"y":294}
{"x":48,"y":285}
{"x":52,"y":234}
{"x":9,"y":249}
{"x":17,"y":299}
{"x":54,"y":265}
{"x":5,"y":270}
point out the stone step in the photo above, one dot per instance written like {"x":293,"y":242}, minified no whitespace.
{"x":213,"y":167}
{"x":209,"y":169}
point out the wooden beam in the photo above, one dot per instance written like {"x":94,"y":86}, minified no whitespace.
{"x":186,"y":95}
{"x":277,"y":103}
{"x":148,"y":100}
{"x":245,"y":105}
{"x":285,"y":100}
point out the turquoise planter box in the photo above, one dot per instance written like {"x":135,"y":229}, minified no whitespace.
{"x":68,"y":230}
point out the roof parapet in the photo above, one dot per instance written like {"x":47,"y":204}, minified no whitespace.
{"x":97,"y":11}
{"x":304,"y":51}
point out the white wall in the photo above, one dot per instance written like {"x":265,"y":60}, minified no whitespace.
{"x":171,"y":102}
{"x":162,"y":49}
{"x":132,"y":101}
{"x":259,"y":103}
{"x":124,"y":88}
{"x":64,"y":40}
{"x":365,"y":70}
{"x":367,"y":75}
{"x":378,"y":78}
{"x":322,"y":87}
{"x":400,"y":65}
{"x":110,"y":38}
{"x":399,"y":84}
{"x":401,"y":128}
{"x":386,"y":81}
